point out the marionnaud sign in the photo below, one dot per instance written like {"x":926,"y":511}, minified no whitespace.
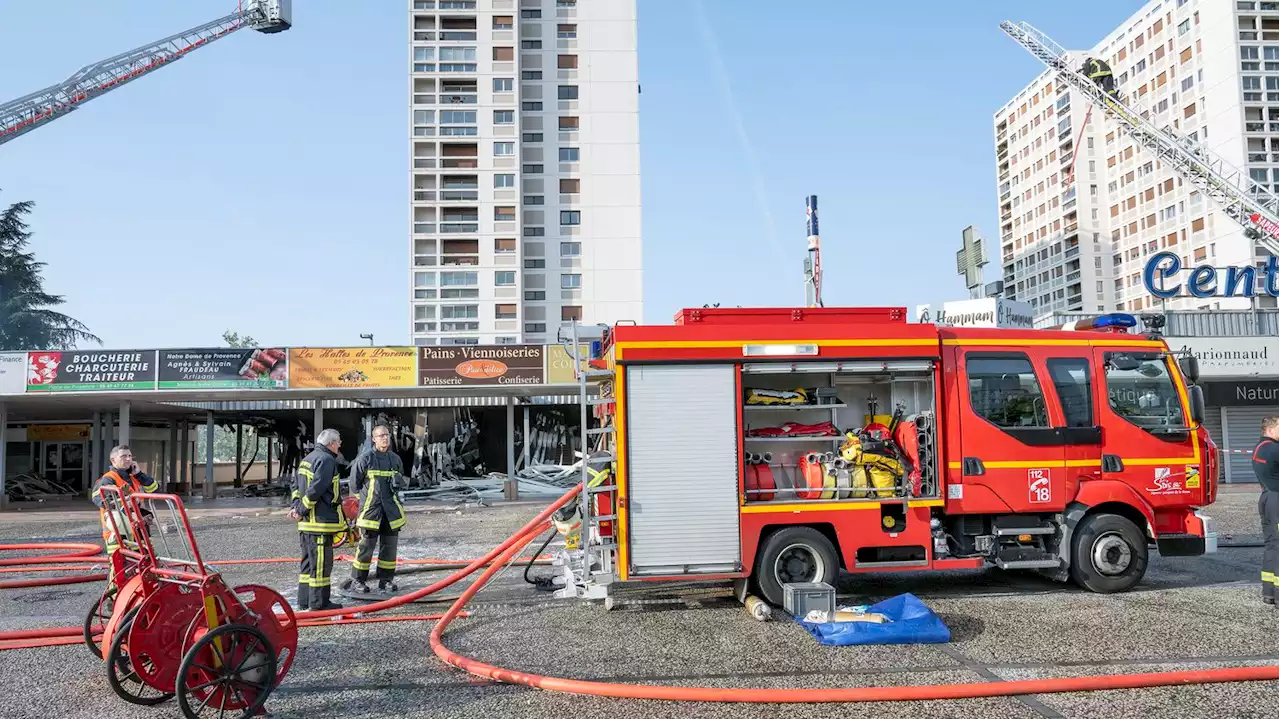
{"x":1231,"y":356}
{"x":986,"y":312}
{"x":1160,"y":277}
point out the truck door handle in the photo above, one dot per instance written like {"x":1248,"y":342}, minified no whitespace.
{"x":1112,"y":463}
{"x":972,"y":467}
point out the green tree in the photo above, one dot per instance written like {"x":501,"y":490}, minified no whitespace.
{"x":27,"y":320}
{"x":233,"y":339}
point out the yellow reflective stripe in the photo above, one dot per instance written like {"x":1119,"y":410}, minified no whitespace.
{"x":304,"y":579}
{"x":370,"y":524}
{"x":1271,"y":578}
{"x":386,"y":565}
{"x":306,"y":502}
{"x":397,"y":523}
{"x":368,"y":502}
{"x":381,"y":472}
{"x":320,"y":527}
{"x":363,"y":566}
{"x":307,"y":473}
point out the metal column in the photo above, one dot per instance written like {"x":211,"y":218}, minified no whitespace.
{"x":184,"y":458}
{"x":4,"y":451}
{"x":271,"y":443}
{"x":125,"y":418}
{"x":95,"y":446}
{"x":239,"y":479}
{"x":511,"y":489}
{"x":319,"y":418}
{"x":106,"y":440}
{"x":210,"y":487}
{"x":525,"y":450}
{"x":171,"y":463}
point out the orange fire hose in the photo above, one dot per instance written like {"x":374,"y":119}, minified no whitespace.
{"x":505,"y":552}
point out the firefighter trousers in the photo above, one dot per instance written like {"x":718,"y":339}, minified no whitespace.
{"x":317,"y":566}
{"x":388,"y":542}
{"x":1268,"y":504}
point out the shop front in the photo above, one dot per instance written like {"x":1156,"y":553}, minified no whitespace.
{"x":1241,"y":381}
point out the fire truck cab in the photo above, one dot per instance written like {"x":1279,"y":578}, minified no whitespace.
{"x":772,"y":446}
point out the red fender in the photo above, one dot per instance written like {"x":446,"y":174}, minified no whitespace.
{"x":1093,"y":492}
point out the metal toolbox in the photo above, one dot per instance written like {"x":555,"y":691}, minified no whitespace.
{"x":803,"y":597}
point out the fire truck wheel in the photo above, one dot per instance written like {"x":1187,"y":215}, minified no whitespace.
{"x":791,"y":555}
{"x":1109,"y":554}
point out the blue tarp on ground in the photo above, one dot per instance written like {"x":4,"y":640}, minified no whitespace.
{"x":911,"y":622}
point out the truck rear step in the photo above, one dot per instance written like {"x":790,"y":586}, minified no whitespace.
{"x":1026,"y":558}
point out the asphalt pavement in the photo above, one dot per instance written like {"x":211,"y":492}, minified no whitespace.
{"x":1188,"y":613}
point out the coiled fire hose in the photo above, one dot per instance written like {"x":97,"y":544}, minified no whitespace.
{"x":501,"y":556}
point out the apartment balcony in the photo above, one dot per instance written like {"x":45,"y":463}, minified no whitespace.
{"x":449,"y":195}
{"x":459,"y":163}
{"x":424,"y":195}
{"x":1073,"y":252}
{"x":458,"y":99}
{"x":424,"y":228}
{"x":459,"y":228}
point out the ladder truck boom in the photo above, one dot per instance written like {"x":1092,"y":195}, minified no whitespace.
{"x":20,"y":116}
{"x":1242,"y":199}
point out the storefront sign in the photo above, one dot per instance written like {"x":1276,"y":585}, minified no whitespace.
{"x":343,"y":367}
{"x":223,"y":369}
{"x":98,"y":370}
{"x":13,"y":372}
{"x":1161,"y":278}
{"x":560,"y":364}
{"x":471,"y":366}
{"x":1245,"y":393}
{"x":57,"y":432}
{"x":987,"y":312}
{"x":1231,"y":356}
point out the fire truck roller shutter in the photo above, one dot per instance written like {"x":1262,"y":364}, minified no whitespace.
{"x":682,"y":469}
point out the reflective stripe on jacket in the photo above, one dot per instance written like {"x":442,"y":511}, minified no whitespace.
{"x":127,"y":483}
{"x":318,"y":494}
{"x":373,"y":479}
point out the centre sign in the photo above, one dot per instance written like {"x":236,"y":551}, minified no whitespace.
{"x":1202,"y":281}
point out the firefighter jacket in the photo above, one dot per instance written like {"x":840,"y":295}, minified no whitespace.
{"x":128,"y":482}
{"x":1095,"y":68}
{"x":318,"y":494}
{"x":373,"y":478}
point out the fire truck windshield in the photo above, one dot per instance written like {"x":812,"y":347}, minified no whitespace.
{"x":1141,"y":390}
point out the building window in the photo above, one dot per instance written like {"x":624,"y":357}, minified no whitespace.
{"x":504,"y":312}
{"x":531,"y":106}
{"x":570,"y":217}
{"x":503,"y":22}
{"x":457,"y":54}
{"x":1184,"y":27}
{"x":459,"y":312}
{"x":530,"y":44}
{"x":457,"y":117}
{"x":534,"y":200}
{"x":503,"y":84}
{"x":567,"y":62}
{"x":570,"y":249}
{"x":423,"y":117}
{"x":456,"y":279}
{"x":530,"y":74}
{"x":535,"y":231}
{"x":504,"y":54}
{"x":567,"y":92}
{"x":504,"y":181}
{"x":535,"y":264}
{"x":504,"y":245}
{"x":568,"y":123}
{"x":535,"y":295}
{"x":566,"y":32}
{"x":570,"y":282}
{"x":424,"y":279}
{"x":530,"y":14}
{"x":531,"y":137}
{"x":505,"y":213}
{"x":569,"y":154}
{"x":531,"y":169}
{"x":504,"y":149}
{"x":570,"y":186}
{"x":424,"y":54}
{"x":504,"y":278}
{"x":571,"y":313}
{"x":535,"y":327}
{"x":504,"y":117}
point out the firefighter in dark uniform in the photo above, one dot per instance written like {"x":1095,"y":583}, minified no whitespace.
{"x":374,"y":476}
{"x":317,"y":505}
{"x":1100,"y":72}
{"x":1266,"y":466}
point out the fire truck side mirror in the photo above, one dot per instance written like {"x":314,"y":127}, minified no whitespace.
{"x":1190,"y":367}
{"x":1195,"y":397}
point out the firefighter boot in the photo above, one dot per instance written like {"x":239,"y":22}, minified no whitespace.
{"x":320,"y":599}
{"x":388,"y":585}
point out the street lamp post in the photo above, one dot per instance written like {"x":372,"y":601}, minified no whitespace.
{"x":367,"y":337}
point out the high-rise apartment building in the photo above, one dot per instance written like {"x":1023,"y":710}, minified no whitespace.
{"x":1082,"y":207}
{"x":525,"y":168}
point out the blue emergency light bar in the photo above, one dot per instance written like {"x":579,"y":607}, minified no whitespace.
{"x":1114,"y":322}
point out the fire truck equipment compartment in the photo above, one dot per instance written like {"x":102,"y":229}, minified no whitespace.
{"x":910,"y":621}
{"x":800,"y":598}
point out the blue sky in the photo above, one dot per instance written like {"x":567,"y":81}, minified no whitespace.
{"x":260,"y":184}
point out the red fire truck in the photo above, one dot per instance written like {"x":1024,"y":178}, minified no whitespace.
{"x":774,"y":446}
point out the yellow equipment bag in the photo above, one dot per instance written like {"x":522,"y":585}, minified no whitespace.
{"x":873,"y":475}
{"x":777,"y":396}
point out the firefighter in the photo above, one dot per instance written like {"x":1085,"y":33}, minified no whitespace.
{"x":1266,"y":465}
{"x":317,"y":505}
{"x":124,"y":474}
{"x":1100,"y":72}
{"x":374,"y":476}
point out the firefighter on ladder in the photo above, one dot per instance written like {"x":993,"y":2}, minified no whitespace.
{"x":1100,"y":73}
{"x":1266,"y":467}
{"x":317,"y":505}
{"x":374,"y":476}
{"x":123,"y":474}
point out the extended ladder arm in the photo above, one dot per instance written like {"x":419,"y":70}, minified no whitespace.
{"x":25,"y":114}
{"x":1242,"y":199}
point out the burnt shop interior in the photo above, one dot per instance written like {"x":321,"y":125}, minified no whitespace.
{"x":832,"y":431}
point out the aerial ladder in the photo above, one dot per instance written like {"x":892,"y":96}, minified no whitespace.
{"x":1241,"y":198}
{"x":25,"y":114}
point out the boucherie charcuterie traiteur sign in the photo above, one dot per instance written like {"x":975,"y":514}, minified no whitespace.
{"x":73,"y":371}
